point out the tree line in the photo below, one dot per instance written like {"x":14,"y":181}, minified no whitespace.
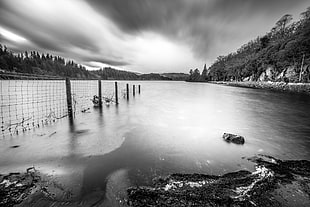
{"x":51,"y":65}
{"x":286,"y":45}
{"x":41,"y":64}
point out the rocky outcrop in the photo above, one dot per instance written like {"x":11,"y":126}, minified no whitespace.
{"x":237,"y":139}
{"x":290,"y":74}
{"x":274,"y":183}
{"x":267,"y":75}
{"x":15,"y":187}
{"x":275,"y":86}
{"x":249,"y":78}
{"x":31,"y":188}
{"x":280,"y":76}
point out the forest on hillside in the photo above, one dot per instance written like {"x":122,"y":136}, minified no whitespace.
{"x":282,"y":54}
{"x":40,"y":64}
{"x":48,"y":65}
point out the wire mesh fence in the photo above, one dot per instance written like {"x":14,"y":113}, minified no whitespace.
{"x":27,"y":104}
{"x":83,"y":92}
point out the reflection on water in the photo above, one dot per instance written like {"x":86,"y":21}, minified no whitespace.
{"x":170,"y":127}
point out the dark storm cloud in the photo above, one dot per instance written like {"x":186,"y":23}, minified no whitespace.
{"x":135,"y":15}
{"x":199,"y":23}
{"x":145,"y":35}
{"x":44,"y":34}
{"x":68,"y":28}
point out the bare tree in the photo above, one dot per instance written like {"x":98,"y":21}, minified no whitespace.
{"x":282,"y":23}
{"x":306,"y":14}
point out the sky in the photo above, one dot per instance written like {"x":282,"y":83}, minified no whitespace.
{"x":139,"y":35}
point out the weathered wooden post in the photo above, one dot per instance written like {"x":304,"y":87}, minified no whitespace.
{"x":116,"y":93}
{"x":69,"y":99}
{"x":133,"y":90}
{"x":99,"y":93}
{"x":139,"y":89}
{"x":127,"y":89}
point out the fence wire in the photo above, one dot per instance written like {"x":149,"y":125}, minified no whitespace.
{"x":82,"y":92}
{"x":26,"y":104}
{"x":108,"y":89}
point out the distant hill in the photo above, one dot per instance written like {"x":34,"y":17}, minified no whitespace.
{"x":109,"y":73}
{"x":153,"y":76}
{"x":45,"y":65}
{"x":41,"y":64}
{"x":176,"y":76}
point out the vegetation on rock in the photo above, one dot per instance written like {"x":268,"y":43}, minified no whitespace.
{"x":283,"y":54}
{"x":274,"y":183}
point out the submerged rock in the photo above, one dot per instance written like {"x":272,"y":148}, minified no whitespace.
{"x":31,"y":188}
{"x":15,"y":187}
{"x":237,"y":139}
{"x":263,"y":187}
{"x":14,"y":146}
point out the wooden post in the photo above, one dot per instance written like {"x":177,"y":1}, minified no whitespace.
{"x":139,"y":89}
{"x":127,"y":89}
{"x":133,"y":90}
{"x":99,"y":93}
{"x":69,"y":98}
{"x":116,"y":93}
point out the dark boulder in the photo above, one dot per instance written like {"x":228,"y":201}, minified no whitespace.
{"x":237,"y":139}
{"x":274,"y":183}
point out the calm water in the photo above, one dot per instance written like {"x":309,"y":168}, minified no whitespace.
{"x":169,"y":127}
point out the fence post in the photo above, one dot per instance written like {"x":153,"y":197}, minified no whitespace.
{"x":127,"y":89}
{"x":116,"y":93}
{"x":99,"y":93}
{"x":133,"y":90}
{"x":139,"y":89}
{"x":69,"y":98}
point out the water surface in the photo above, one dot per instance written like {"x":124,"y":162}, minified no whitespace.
{"x":170,"y":127}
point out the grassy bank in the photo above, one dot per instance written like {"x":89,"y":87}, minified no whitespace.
{"x":274,"y":183}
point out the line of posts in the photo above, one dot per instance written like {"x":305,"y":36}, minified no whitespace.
{"x":69,"y":95}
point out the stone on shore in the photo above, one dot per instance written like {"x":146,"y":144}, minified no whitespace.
{"x":237,"y":139}
{"x":274,"y":183}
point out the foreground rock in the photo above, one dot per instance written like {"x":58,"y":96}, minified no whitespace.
{"x":237,"y":139}
{"x":31,"y":189}
{"x":274,"y":183}
{"x":15,"y":187}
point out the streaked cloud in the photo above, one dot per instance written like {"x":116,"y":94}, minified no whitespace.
{"x":139,"y":35}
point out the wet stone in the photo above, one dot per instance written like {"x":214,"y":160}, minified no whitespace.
{"x":241,"y":188}
{"x":237,"y":139}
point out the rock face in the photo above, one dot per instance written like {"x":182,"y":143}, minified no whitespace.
{"x":237,"y":139}
{"x":267,"y":75}
{"x":15,"y":187}
{"x":280,"y":76}
{"x":274,"y":183}
{"x":291,"y":74}
{"x":249,"y":78}
{"x":31,"y":188}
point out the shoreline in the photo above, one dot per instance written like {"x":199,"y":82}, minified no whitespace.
{"x":300,"y":88}
{"x":275,"y":182}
